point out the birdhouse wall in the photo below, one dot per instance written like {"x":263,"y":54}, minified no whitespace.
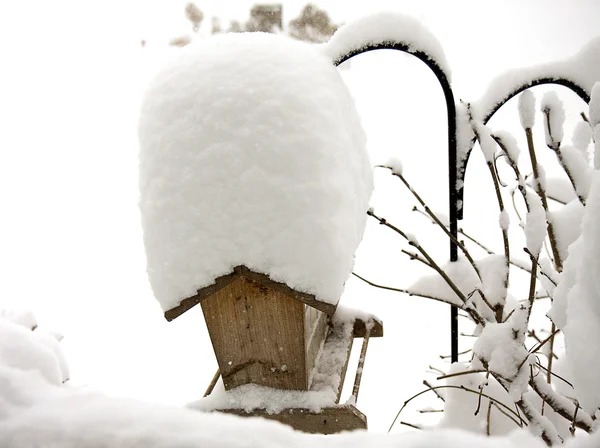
{"x":258,"y":335}
{"x":315,"y":331}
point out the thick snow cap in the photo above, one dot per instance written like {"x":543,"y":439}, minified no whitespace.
{"x":251,"y":153}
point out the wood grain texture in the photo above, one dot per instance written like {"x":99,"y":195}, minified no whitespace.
{"x":242,"y":271}
{"x":258,"y":335}
{"x":315,"y":336}
{"x":330,"y":420}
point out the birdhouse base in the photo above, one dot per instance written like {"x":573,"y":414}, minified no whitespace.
{"x":330,"y":420}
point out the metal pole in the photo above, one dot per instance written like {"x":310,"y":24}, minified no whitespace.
{"x":454,"y":193}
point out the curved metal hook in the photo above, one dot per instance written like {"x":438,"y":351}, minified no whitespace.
{"x":451,"y":113}
{"x":570,"y":84}
{"x":453,"y":191}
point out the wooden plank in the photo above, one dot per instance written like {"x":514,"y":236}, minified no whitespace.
{"x":360,"y":328}
{"x":202,"y":294}
{"x":361,"y":365}
{"x":344,"y":368}
{"x":308,"y":299}
{"x":258,"y":336}
{"x":212,"y":384}
{"x":242,"y":271}
{"x":315,"y":334}
{"x":330,"y":420}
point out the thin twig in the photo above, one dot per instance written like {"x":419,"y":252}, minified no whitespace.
{"x":435,"y":369}
{"x":404,"y":291}
{"x":489,"y":414}
{"x":435,"y":391}
{"x":415,"y":256}
{"x":481,"y":386}
{"x":466,"y":389}
{"x":461,"y":353}
{"x":474,"y":315}
{"x":434,"y":217}
{"x":411,"y":425}
{"x":213,"y":383}
{"x":561,"y":405}
{"x":465,"y":372}
{"x":555,"y":374}
{"x":533,"y":334}
{"x":572,"y":428}
{"x":499,"y":309}
{"x":550,"y":357}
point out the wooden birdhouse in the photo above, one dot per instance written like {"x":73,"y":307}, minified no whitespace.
{"x":266,"y":333}
{"x":254,"y":187}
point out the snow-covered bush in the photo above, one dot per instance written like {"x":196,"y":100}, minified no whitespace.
{"x":510,"y":380}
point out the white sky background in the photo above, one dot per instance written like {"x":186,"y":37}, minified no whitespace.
{"x":71,"y":73}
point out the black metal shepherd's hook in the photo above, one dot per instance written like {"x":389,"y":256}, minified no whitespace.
{"x":452,"y":154}
{"x":578,"y":89}
{"x":456,"y":168}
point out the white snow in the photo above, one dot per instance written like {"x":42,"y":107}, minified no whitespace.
{"x":510,"y":144}
{"x":344,"y":314}
{"x":566,"y":222}
{"x":386,"y":27}
{"x":464,"y":135}
{"x":412,"y":239}
{"x":597,"y":147}
{"x":582,"y":135}
{"x":251,"y":153}
{"x":583,"y":68}
{"x":395,"y":164}
{"x":579,"y":169}
{"x":492,"y":269}
{"x":24,"y":349}
{"x":462,"y":274}
{"x":554,"y":118}
{"x":503,"y":353}
{"x":35,"y":413}
{"x":535,"y":224}
{"x":567,"y":279}
{"x":595,"y":105}
{"x":493,"y":275}
{"x":486,"y":142}
{"x":504,"y":220}
{"x":581,"y":293}
{"x":561,"y":189}
{"x":23,"y":317}
{"x":460,"y":405}
{"x":527,"y":109}
{"x":250,"y":397}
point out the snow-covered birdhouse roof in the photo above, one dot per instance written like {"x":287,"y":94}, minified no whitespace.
{"x":251,"y":154}
{"x":260,"y":279}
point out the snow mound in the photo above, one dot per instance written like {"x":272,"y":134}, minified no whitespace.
{"x":251,"y":153}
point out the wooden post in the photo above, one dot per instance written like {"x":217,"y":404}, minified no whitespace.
{"x":213,"y":383}
{"x":361,"y":362}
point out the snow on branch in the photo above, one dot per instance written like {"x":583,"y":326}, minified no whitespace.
{"x":579,"y":73}
{"x":554,"y":119}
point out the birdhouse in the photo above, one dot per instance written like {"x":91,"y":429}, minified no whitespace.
{"x":266,"y":333}
{"x":254,"y":187}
